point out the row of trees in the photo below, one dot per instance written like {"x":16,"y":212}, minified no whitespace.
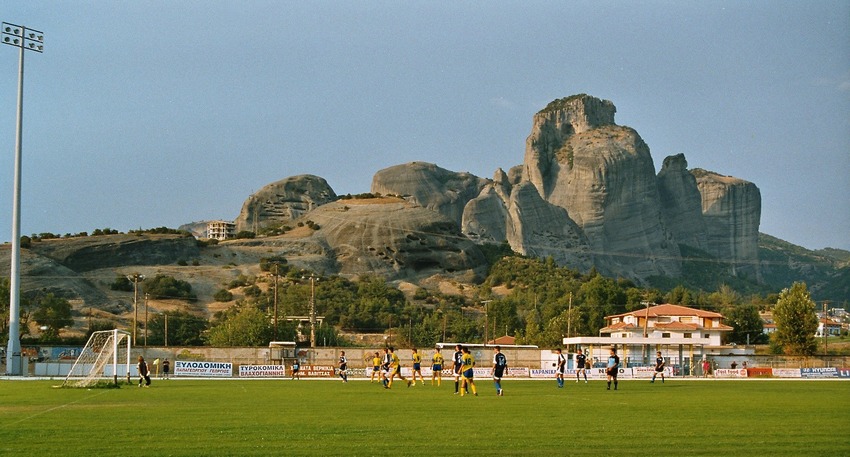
{"x":543,"y":304}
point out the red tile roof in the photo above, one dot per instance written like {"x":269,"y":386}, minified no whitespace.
{"x":668,"y":310}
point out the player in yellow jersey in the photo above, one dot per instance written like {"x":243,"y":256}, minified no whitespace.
{"x":467,"y":362}
{"x":437,"y":368}
{"x":376,"y":367}
{"x":417,"y":368}
{"x":395,"y":369}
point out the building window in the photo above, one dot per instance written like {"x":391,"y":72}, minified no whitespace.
{"x":624,"y":335}
{"x":687,"y":335}
{"x":706,"y":336}
{"x":665,"y":335}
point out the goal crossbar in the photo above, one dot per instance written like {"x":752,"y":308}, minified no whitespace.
{"x":104,"y":348}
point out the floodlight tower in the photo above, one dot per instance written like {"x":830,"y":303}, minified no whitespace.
{"x":25,"y":40}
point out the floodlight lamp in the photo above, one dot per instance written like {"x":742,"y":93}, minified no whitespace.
{"x":8,"y":29}
{"x":17,"y":32}
{"x":32,"y":45}
{"x":41,"y":48}
{"x":32,"y":35}
{"x":40,"y":38}
{"x":16,"y":41}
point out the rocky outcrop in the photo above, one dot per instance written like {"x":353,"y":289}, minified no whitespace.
{"x":603,"y":175}
{"x":731,"y":209}
{"x":430,"y":186}
{"x":393,"y":238}
{"x":283,"y":201}
{"x":681,"y":203}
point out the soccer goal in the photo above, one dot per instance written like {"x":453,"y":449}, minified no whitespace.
{"x":106,"y":354}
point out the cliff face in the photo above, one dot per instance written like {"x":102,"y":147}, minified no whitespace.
{"x":283,"y":201}
{"x":603,"y":175}
{"x":681,"y":202}
{"x":731,"y":209}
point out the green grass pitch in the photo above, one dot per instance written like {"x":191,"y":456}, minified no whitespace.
{"x":282,"y":417}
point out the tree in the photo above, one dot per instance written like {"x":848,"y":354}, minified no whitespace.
{"x":165,"y":287}
{"x":184,"y":329}
{"x":745,"y":321}
{"x":54,"y":313}
{"x":796,"y":321}
{"x":246,"y":327}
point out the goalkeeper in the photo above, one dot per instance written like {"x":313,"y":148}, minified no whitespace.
{"x":144,"y":374}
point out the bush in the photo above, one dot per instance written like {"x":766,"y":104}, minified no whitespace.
{"x":223,"y":295}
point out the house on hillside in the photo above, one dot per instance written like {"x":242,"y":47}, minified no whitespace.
{"x":221,"y":230}
{"x":682,"y":334}
{"x":828,"y":327}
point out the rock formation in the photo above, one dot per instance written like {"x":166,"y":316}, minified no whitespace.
{"x":731,"y":209}
{"x":283,"y":201}
{"x":428,"y":185}
{"x":393,"y":238}
{"x":681,"y":203}
{"x":603,"y":175}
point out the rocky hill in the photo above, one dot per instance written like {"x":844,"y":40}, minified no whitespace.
{"x":586,"y":194}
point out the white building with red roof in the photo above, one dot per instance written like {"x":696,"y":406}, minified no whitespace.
{"x":681,"y":333}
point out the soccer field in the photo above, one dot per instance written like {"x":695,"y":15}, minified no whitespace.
{"x":282,"y":417}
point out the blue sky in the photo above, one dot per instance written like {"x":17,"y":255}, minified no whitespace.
{"x":159,"y":113}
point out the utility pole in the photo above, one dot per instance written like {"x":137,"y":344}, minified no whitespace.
{"x":313,"y":278}
{"x":30,"y":40}
{"x":486,"y":304}
{"x":146,"y":320}
{"x":165,"y":336}
{"x":276,"y":271}
{"x":135,"y":277}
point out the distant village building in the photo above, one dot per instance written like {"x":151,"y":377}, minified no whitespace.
{"x":221,"y":230}
{"x":683,"y":335}
{"x":768,"y":325}
{"x":828,"y":327}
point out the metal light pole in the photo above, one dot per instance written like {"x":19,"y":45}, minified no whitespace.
{"x":486,"y":304}
{"x":33,"y":40}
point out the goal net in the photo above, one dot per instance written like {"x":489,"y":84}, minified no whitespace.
{"x":106,"y":355}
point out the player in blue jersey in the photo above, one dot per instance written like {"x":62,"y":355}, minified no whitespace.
{"x":581,"y":360}
{"x":500,"y":363}
{"x":613,"y":368}
{"x":659,"y":367}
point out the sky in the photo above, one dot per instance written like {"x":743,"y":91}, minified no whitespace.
{"x":142,"y":114}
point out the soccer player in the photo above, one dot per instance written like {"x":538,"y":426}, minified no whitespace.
{"x":296,"y":367}
{"x":613,"y":368}
{"x":580,"y":365}
{"x":376,"y":367}
{"x":395,"y":369}
{"x":385,"y":368}
{"x":467,"y":362}
{"x":343,"y":367}
{"x":417,"y":368}
{"x":560,"y":368}
{"x":659,"y":367}
{"x":500,"y":362}
{"x":437,"y":368}
{"x":456,"y":362}
{"x":144,"y":374}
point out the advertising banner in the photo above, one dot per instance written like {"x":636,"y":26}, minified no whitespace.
{"x":844,"y":372}
{"x":262,"y":371}
{"x":542,"y":373}
{"x":786,"y":372}
{"x":517,"y":372}
{"x":317,"y":371}
{"x":204,"y":369}
{"x":812,"y":373}
{"x":730,"y":373}
{"x":648,"y":372}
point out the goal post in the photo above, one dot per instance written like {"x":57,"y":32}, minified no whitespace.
{"x":104,"y":356}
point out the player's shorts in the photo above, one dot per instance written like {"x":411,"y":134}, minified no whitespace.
{"x":376,"y":369}
{"x":498,"y":372}
{"x":659,"y":370}
{"x":468,"y":374}
{"x":417,"y":367}
{"x":560,"y":370}
{"x":396,"y":370}
{"x":437,"y":368}
{"x":611,"y":371}
{"x":456,"y":370}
